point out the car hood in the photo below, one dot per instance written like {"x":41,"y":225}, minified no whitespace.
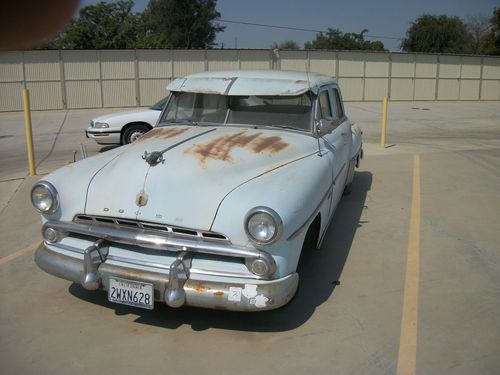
{"x":201,"y":166}
{"x":127,"y":116}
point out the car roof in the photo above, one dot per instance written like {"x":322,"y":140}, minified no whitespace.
{"x":251,"y":82}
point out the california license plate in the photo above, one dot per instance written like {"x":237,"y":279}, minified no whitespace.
{"x":132,"y":293}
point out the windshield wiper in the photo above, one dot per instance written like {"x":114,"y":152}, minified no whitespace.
{"x":193,"y":123}
{"x":283,"y":127}
{"x":175,"y":121}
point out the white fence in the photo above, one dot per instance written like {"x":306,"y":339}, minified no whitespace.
{"x":122,"y":78}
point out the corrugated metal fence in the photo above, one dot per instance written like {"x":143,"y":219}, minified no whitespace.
{"x":122,"y":78}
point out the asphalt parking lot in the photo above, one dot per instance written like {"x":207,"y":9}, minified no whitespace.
{"x":407,"y":280}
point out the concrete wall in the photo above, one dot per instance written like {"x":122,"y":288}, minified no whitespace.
{"x":121,"y":78}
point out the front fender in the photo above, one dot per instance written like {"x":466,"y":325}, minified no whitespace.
{"x":72,"y":181}
{"x":294,"y":191}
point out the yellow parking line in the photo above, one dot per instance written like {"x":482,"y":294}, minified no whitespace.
{"x":407,"y":358}
{"x":18,"y":253}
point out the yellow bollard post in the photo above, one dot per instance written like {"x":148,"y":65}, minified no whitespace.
{"x":384,"y":123}
{"x":29,"y":133}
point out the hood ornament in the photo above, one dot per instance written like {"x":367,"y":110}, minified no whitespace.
{"x":153,"y":158}
{"x":141,"y":199}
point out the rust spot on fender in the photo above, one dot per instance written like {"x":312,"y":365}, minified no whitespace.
{"x":162,"y":133}
{"x":221,"y":148}
{"x":219,"y":293}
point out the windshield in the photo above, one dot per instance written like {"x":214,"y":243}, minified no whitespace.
{"x":159,"y":105}
{"x":214,"y":109}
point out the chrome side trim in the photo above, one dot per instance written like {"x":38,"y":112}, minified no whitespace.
{"x":338,"y":174}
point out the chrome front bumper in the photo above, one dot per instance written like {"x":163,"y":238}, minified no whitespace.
{"x":162,"y":241}
{"x":104,"y":136}
{"x":177,"y":288}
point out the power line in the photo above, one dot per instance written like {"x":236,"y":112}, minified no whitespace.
{"x":297,"y":28}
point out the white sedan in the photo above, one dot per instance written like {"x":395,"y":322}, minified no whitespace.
{"x":213,"y":207}
{"x":124,"y":127}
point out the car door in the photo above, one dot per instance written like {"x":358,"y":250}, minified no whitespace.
{"x":336,"y":141}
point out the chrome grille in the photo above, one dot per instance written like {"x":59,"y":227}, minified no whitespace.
{"x":178,"y":231}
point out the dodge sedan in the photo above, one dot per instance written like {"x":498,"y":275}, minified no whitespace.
{"x":213,"y":207}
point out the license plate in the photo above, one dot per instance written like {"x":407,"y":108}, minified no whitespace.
{"x":132,"y":293}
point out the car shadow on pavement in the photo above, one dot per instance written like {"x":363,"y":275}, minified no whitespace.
{"x":320,"y":275}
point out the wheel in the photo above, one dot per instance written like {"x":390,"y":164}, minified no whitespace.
{"x":133,"y":133}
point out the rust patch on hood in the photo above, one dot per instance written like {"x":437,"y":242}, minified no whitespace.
{"x":220,"y":148}
{"x":162,"y":133}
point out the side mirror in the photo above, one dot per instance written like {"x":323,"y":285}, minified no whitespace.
{"x":323,"y":126}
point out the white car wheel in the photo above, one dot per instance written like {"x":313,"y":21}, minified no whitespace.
{"x":133,"y":133}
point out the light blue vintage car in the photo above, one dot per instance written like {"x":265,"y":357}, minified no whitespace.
{"x":213,"y":207}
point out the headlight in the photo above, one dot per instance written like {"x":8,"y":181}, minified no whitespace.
{"x":101,"y":125}
{"x":44,"y":197}
{"x":263,"y":225}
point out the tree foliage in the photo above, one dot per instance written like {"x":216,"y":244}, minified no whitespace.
{"x":438,"y":34}
{"x":336,"y":39}
{"x":100,"y":26}
{"x":479,"y":28}
{"x":492,"y":39}
{"x":286,"y":44}
{"x":163,"y":24}
{"x":180,"y":24}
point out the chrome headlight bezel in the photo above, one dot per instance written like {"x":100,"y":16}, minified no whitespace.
{"x":53,"y":194}
{"x":101,"y":125}
{"x":273,"y":215}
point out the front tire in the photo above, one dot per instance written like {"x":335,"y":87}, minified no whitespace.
{"x":133,"y":133}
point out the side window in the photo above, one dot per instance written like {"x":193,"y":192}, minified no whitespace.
{"x":324,"y":104}
{"x":338,"y":100}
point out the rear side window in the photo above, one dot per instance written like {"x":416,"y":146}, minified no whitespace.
{"x":338,"y":100}
{"x":324,"y":104}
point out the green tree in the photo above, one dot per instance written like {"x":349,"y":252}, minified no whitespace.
{"x":100,"y":26}
{"x":479,"y":28}
{"x":179,"y":24}
{"x":492,"y":39}
{"x":438,"y":34}
{"x":286,"y":44}
{"x":336,"y":39}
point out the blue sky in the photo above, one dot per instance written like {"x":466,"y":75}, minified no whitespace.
{"x":389,"y":18}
